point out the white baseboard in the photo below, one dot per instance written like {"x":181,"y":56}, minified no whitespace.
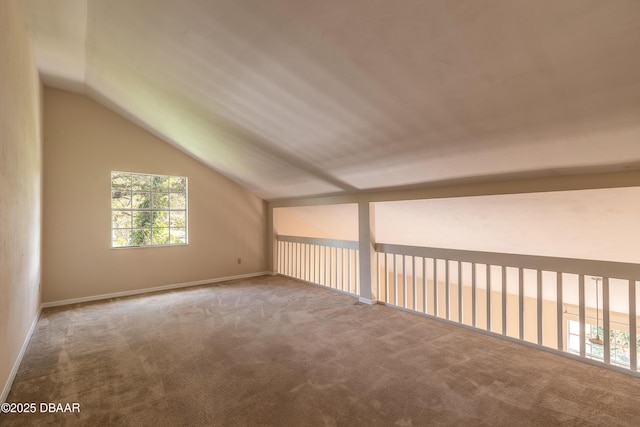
{"x":18,"y":361}
{"x":367,"y":301}
{"x":149,"y":290}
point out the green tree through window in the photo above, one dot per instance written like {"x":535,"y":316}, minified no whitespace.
{"x":148,"y":210}
{"x":619,"y":342}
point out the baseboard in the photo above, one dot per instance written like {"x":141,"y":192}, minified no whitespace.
{"x":149,"y":290}
{"x":367,"y":301}
{"x":16,"y":364}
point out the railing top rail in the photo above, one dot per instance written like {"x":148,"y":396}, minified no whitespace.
{"x":610,"y":269}
{"x":346,"y":244}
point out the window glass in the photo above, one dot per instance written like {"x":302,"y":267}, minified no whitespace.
{"x":148,"y":210}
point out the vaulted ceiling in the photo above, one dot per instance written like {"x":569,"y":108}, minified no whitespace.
{"x":296,"y":98}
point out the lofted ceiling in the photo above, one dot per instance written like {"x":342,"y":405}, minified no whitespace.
{"x":299,"y":98}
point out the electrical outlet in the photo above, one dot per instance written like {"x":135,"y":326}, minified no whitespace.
{"x":239,"y":260}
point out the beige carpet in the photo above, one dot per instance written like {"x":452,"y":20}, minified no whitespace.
{"x":274,"y":351}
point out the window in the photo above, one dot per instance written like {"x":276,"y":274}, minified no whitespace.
{"x":148,"y":210}
{"x":618,"y":339}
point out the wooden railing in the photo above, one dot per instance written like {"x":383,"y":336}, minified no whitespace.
{"x":561,"y":305}
{"x":327,"y":262}
{"x":532,"y":299}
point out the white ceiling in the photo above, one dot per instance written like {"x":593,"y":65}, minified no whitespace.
{"x":298,"y":98}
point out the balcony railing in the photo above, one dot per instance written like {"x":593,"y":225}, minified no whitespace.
{"x":579,"y":308}
{"x":326,"y":262}
{"x":562,"y":304}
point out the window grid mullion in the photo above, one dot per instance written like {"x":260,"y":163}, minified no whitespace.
{"x":152,"y":227}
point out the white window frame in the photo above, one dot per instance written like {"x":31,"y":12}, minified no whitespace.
{"x":589,"y":353}
{"x":168,"y":209}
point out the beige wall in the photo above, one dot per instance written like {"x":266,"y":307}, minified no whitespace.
{"x":20,"y":189}
{"x":83,"y":143}
{"x":328,"y":221}
{"x":600,"y":224}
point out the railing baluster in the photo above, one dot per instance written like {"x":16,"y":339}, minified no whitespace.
{"x":539,"y":305}
{"x":386,"y":277}
{"x":348,"y":277}
{"x":316,"y":262}
{"x":342,"y":269}
{"x":319,"y":266}
{"x":395,"y":281}
{"x":349,"y":269}
{"x":378,"y":280}
{"x":345,"y":270}
{"x":581,"y":314}
{"x":447,"y":297}
{"x":337,"y":267}
{"x":295,"y":260}
{"x":327,"y":263}
{"x":279,"y":256}
{"x":413,"y":274}
{"x":473,"y":295}
{"x":330,"y":270}
{"x":344,"y":273}
{"x":435,"y":286}
{"x":324,"y":265}
{"x":311,"y":262}
{"x":504,"y":300}
{"x":312,"y":249}
{"x":633,"y":339}
{"x":488,"y":274}
{"x":521,"y":302}
{"x":424,"y":285}
{"x":460,"y":296}
{"x":331,"y":266}
{"x":327,"y":266}
{"x":559,"y":303}
{"x":307,"y":262}
{"x":357,"y":256}
{"x":605,"y":320}
{"x":404,"y":282}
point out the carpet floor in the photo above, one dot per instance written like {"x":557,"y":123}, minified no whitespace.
{"x":273,"y":351}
